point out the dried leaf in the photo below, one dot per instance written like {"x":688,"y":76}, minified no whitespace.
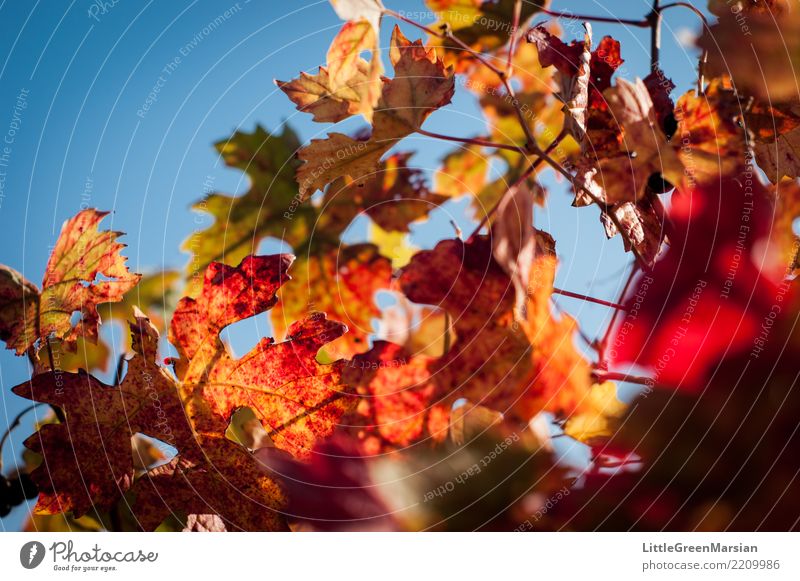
{"x":514,"y":242}
{"x":421,"y":84}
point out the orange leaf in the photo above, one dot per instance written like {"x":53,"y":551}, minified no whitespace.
{"x":70,"y":285}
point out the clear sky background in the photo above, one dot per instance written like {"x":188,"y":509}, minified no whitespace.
{"x":86,"y":71}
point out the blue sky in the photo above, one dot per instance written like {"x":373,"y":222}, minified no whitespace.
{"x":83,"y":137}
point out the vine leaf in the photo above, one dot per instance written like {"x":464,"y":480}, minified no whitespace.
{"x":784,"y":242}
{"x":342,"y":282}
{"x":349,"y":85}
{"x":400,"y":403}
{"x":394,"y":197}
{"x":713,"y":143}
{"x":240,"y":223}
{"x":596,"y":420}
{"x":514,"y":242}
{"x":463,"y":172}
{"x":70,"y":285}
{"x":314,"y":94}
{"x":421,"y":84}
{"x":296,"y":399}
{"x":583,"y":75}
{"x":518,"y":370}
{"x":369,"y":10}
{"x":645,"y":151}
{"x":483,"y":26}
{"x":691,"y":311}
{"x":87,"y":459}
{"x":762,"y":58}
{"x":777,"y":138}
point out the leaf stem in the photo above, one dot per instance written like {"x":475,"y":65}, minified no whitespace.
{"x":602,"y":345}
{"x":14,"y":423}
{"x":513,"y":37}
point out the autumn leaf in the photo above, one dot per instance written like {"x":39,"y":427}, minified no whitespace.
{"x":392,"y":245}
{"x":760,"y":54}
{"x":394,"y":197}
{"x":369,"y":10}
{"x":597,"y":414}
{"x":400,"y":403}
{"x":314,"y":94}
{"x":87,"y":356}
{"x":712,"y":141}
{"x":19,"y":300}
{"x":777,"y":138}
{"x":493,"y":361}
{"x":70,"y":285}
{"x":514,"y":242}
{"x":644,"y":152}
{"x":296,"y":398}
{"x":659,"y":86}
{"x":573,"y":63}
{"x":783,"y":240}
{"x":418,"y":329}
{"x":348,"y":85}
{"x":421,"y":84}
{"x":339,"y":281}
{"x":469,"y":421}
{"x":772,"y":7}
{"x":463,"y":172}
{"x":642,"y":223}
{"x":562,"y":376}
{"x":240,"y":223}
{"x":87,"y":459}
{"x":583,"y":75}
{"x":483,"y":26}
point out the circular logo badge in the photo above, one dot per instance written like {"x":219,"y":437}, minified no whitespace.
{"x":31,"y":554}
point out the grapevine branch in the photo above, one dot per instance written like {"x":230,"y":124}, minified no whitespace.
{"x":531,"y":147}
{"x":525,"y":175}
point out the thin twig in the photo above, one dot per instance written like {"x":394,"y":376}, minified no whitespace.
{"x":701,"y":67}
{"x":602,"y":376}
{"x":473,"y":141}
{"x":608,"y":19}
{"x":14,"y":423}
{"x":602,"y":345}
{"x":525,"y":175}
{"x":573,"y":295}
{"x":513,"y":37}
